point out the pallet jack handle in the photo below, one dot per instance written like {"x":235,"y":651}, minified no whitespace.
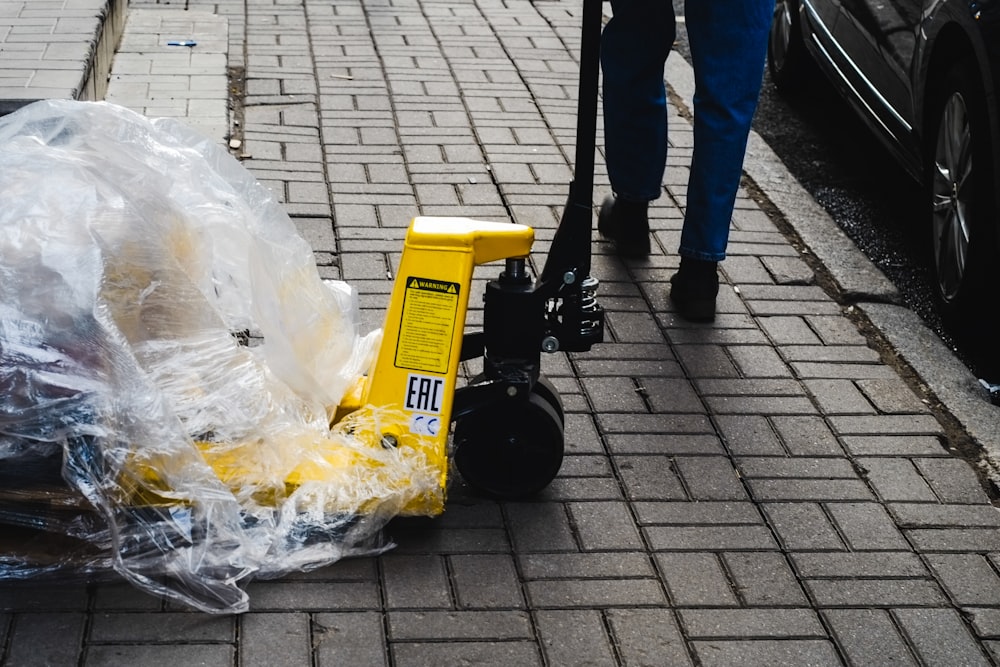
{"x":570,"y":250}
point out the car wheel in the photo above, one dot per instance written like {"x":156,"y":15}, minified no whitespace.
{"x":960,"y":182}
{"x":787,"y":58}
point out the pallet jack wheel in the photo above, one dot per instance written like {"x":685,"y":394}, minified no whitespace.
{"x":544,"y":388}
{"x":511,"y":449}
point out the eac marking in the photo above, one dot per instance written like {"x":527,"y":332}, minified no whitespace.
{"x":424,"y":393}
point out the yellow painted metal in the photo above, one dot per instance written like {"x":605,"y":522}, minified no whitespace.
{"x":416,"y":368}
{"x":407,"y":395}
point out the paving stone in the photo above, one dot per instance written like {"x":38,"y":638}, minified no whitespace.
{"x":985,"y":621}
{"x":896,"y":479}
{"x":994,"y":650}
{"x":968,"y":578}
{"x":605,"y":526}
{"x":876,"y":564}
{"x":540,"y":527}
{"x":886,"y":425}
{"x":699,"y":513}
{"x":809,"y":489}
{"x":867,"y":526}
{"x":750,"y":435}
{"x":460,"y":625}
{"x":23,"y":596}
{"x":953,"y":480}
{"x":709,"y":538}
{"x":940,"y":637}
{"x":804,"y":467}
{"x":954,"y":539}
{"x":913,"y":515}
{"x":764,"y":579}
{"x":354,"y":638}
{"x":587,"y":593}
{"x":485,"y":581}
{"x":839,"y":397}
{"x":710,"y":478}
{"x":597,"y":565}
{"x":751,"y":623}
{"x":767,"y":652}
{"x":574,"y":637}
{"x":803,"y":526}
{"x":703,"y":361}
{"x":758,"y":361}
{"x":651,"y":478}
{"x":488,"y":654}
{"x":666,"y":445}
{"x":836,"y":330}
{"x":275,"y":639}
{"x":696,"y":580}
{"x":415,"y":581}
{"x":175,"y":627}
{"x":831,"y":353}
{"x":120,"y":597}
{"x":868,"y":637}
{"x":874,"y":592}
{"x":889,"y":445}
{"x":196,"y":655}
{"x":670,"y":395}
{"x":51,"y":638}
{"x":892,"y":396}
{"x":769,"y":405}
{"x":807,"y":436}
{"x":787,"y":330}
{"x":749,"y":387}
{"x":296,"y":596}
{"x":647,"y":637}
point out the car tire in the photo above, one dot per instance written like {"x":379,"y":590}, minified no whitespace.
{"x":788,"y":61}
{"x":959,"y":181}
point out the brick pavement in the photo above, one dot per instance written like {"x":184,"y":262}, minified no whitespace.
{"x":763,"y":490}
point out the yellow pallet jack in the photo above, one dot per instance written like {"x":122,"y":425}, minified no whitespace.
{"x":509,"y":420}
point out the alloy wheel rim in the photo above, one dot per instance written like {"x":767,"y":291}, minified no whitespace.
{"x":951,"y":196}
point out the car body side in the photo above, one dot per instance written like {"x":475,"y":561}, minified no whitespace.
{"x":886,"y":56}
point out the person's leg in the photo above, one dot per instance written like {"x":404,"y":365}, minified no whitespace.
{"x":728,"y":40}
{"x":634,"y":47}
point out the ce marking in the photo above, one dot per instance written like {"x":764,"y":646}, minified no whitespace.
{"x":425,"y":425}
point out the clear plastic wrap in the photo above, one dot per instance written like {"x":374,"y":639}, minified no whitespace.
{"x":137,"y":261}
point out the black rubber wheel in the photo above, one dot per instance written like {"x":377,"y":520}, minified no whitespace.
{"x":788,"y":62}
{"x":512,"y":449}
{"x":544,"y":388}
{"x":963,"y":209}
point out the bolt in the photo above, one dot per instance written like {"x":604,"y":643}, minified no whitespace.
{"x":550,"y":344}
{"x":569,"y":278}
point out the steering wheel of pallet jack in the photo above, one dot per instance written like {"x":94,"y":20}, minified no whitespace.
{"x":511,"y":449}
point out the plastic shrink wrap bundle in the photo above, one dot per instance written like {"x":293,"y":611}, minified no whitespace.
{"x":169,"y":363}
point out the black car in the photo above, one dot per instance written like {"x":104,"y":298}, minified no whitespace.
{"x":924,"y":75}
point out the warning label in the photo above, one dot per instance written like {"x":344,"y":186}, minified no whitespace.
{"x":427,"y":326}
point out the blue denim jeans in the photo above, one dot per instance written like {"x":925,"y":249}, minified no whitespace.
{"x":728,"y":41}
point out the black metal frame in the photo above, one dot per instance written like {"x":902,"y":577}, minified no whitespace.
{"x":558,"y":312}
